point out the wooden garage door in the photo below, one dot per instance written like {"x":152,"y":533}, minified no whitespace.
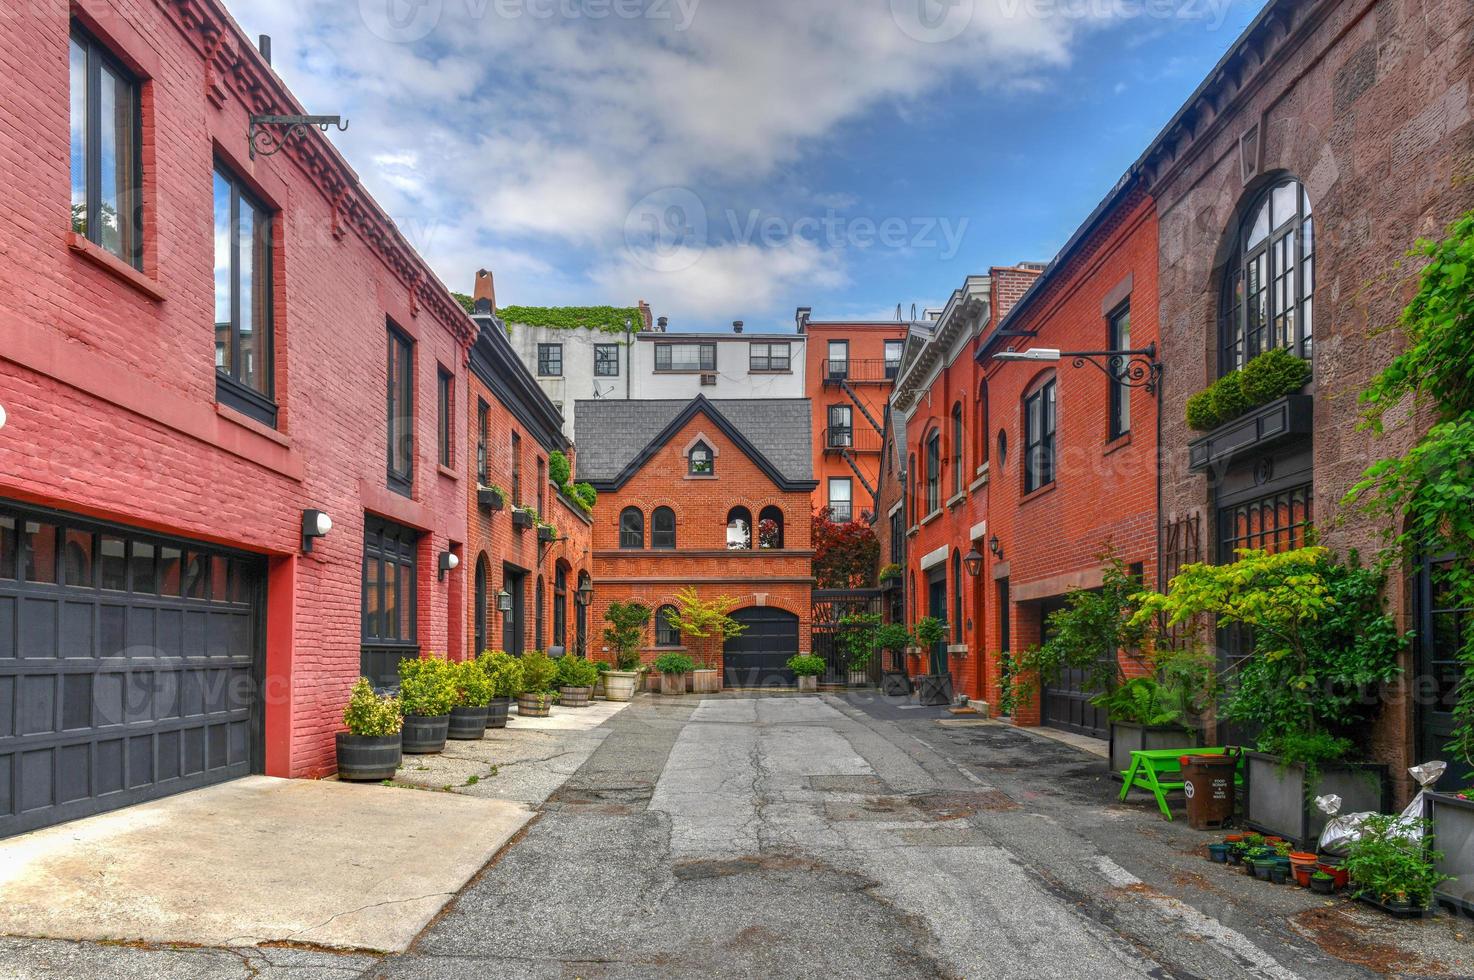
{"x":129,"y":666}
{"x":758,"y":657}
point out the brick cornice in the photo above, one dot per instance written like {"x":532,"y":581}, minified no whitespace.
{"x":232,"y":62}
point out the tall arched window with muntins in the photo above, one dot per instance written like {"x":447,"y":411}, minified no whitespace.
{"x":663,"y":528}
{"x":958,"y":480}
{"x":1269,"y":284}
{"x":666,"y":635}
{"x":770,"y":527}
{"x":739,"y":529}
{"x":480,"y":626}
{"x":631,"y":528}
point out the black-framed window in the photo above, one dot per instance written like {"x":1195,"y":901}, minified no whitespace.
{"x":663,"y":528}
{"x":445,"y":407}
{"x":388,"y":629}
{"x":982,"y":422}
{"x":762,"y":356}
{"x":1269,"y":287}
{"x":686,"y":357}
{"x":701,"y":461}
{"x":483,"y":421}
{"x":933,"y":471}
{"x":243,"y":300}
{"x":482,"y":608}
{"x":666,"y":635}
{"x":540,"y":616}
{"x":606,"y":360}
{"x":401,"y":411}
{"x":841,"y":427}
{"x":560,"y":607}
{"x":1118,"y":337}
{"x":958,"y":477}
{"x":550,"y":360}
{"x":893,"y":351}
{"x":837,"y":364}
{"x":956,"y":596}
{"x":898,"y":532}
{"x":106,"y":163}
{"x":631,"y":528}
{"x":516,"y":470}
{"x":841,"y":499}
{"x":1039,"y":424}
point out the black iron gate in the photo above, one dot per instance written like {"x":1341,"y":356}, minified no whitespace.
{"x":836,"y":620}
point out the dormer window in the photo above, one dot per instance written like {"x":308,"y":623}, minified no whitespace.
{"x":700,"y":461}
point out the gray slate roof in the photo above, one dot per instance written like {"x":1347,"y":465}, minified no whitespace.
{"x":611,"y":433}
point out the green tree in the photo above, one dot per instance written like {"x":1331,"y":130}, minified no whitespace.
{"x":626,"y":631}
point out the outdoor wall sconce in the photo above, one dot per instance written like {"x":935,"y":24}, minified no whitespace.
{"x":448,"y":562}
{"x":584,"y":596}
{"x":1138,"y":368}
{"x":504,"y":602}
{"x":315,"y":524}
{"x":972,"y":561}
{"x":995,"y":547}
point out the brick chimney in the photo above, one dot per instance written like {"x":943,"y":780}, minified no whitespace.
{"x":644,"y":308}
{"x":484,"y":295}
{"x":1009,"y":284}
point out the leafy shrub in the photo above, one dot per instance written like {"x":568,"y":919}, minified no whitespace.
{"x":504,"y":671}
{"x":576,"y":672}
{"x":1227,"y":397}
{"x":371,"y":714}
{"x":1275,"y":373}
{"x":806,"y":665}
{"x":892,"y":636}
{"x":1200,"y":416}
{"x":559,"y":469}
{"x":857,"y":638}
{"x":889,"y":571}
{"x":626,"y":631}
{"x":1388,"y":862}
{"x":1139,"y":701}
{"x":501,"y":494}
{"x":538,"y":672}
{"x":474,"y":689}
{"x":930,"y":631}
{"x":426,"y":686}
{"x":674,"y":663}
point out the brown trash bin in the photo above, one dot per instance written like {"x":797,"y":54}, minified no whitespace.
{"x":1208,"y":785}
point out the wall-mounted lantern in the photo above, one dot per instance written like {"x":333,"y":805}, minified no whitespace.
{"x":504,"y":602}
{"x":448,"y":562}
{"x":995,"y":547}
{"x":315,"y":524}
{"x":584,"y":595}
{"x":972,"y":561}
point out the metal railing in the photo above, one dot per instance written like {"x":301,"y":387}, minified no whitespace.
{"x":856,"y":438}
{"x":871,"y":370}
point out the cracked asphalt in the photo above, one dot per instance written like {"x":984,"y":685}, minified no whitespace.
{"x":837,"y":837}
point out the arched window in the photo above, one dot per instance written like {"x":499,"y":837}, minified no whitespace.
{"x":560,"y":606}
{"x":631,"y":528}
{"x":700,"y":461}
{"x":739,"y":528}
{"x":663,"y":528}
{"x":933,"y":471}
{"x":770,"y":527}
{"x":913,"y":488}
{"x":539,"y":617}
{"x":480,"y":627}
{"x":1270,"y":280}
{"x":666,"y":635}
{"x":958,"y":480}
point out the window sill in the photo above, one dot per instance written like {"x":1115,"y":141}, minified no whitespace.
{"x":448,"y":473}
{"x":956,"y":499}
{"x":246,"y":422}
{"x":684,"y":371}
{"x":701,"y":476}
{"x":115,"y":267}
{"x":751,"y":371}
{"x":930,"y":517}
{"x":1037,"y":493}
{"x":1120,"y":442}
{"x":912,"y":531}
{"x":981,"y":481}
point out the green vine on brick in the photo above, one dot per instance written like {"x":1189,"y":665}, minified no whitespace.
{"x":605,"y":319}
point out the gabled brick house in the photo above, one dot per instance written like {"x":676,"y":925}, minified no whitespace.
{"x":708,"y":494}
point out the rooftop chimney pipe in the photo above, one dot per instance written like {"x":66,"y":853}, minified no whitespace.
{"x":801,"y":317}
{"x":660,"y":323}
{"x":736,"y":326}
{"x":484,"y":295}
{"x":264,"y":44}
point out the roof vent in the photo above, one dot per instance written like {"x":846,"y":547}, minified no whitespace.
{"x":736,"y":326}
{"x":483,"y":296}
{"x":660,"y":323}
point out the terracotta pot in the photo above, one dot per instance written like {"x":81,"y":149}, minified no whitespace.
{"x":1303,"y":873}
{"x":1337,"y":872}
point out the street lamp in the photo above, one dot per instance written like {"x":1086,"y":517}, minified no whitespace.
{"x":972,"y":561}
{"x":1135,"y":368}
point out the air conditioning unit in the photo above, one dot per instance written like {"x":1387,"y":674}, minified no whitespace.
{"x":708,"y":379}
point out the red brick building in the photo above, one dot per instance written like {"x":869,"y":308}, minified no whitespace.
{"x":850,"y":370}
{"x":523,"y":589}
{"x":710,"y":494}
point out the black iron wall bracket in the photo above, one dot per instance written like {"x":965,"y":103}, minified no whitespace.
{"x":266,"y":135}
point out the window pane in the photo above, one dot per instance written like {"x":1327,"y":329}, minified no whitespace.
{"x":77,"y":555}
{"x":1282,"y":202}
{"x":8,"y":547}
{"x":40,"y":543}
{"x":219,"y":577}
{"x":117,"y":184}
{"x":224,"y":359}
{"x":371,"y":598}
{"x":79,"y":137}
{"x":391,"y":601}
{"x":142,"y":563}
{"x":256,"y":347}
{"x":246,"y":277}
{"x":170,"y":568}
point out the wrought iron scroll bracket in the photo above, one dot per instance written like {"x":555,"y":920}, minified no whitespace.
{"x":266,"y":135}
{"x":1132,"y":368}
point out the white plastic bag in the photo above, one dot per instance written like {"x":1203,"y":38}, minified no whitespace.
{"x":1340,"y":831}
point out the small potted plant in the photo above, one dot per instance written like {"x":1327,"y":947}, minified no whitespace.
{"x":807,"y":668}
{"x":370,"y":748}
{"x":491,"y":497}
{"x":576,"y":677}
{"x":535,"y":700}
{"x":505,"y":673}
{"x":546,"y":531}
{"x":426,"y":695}
{"x":600,"y":691}
{"x":474,"y":691}
{"x":1322,"y":883}
{"x":673,"y":668}
{"x":1392,"y":866}
{"x":936,"y":684}
{"x":626,"y":629}
{"x":857,"y":638}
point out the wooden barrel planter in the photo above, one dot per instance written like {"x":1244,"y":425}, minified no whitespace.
{"x":576,"y":697}
{"x":424,"y":735}
{"x":368,"y":757}
{"x":534,"y":705}
{"x":467,"y":723}
{"x":706,"y":680}
{"x":496,"y":712}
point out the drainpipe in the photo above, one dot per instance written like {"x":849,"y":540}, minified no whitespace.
{"x":629,"y":357}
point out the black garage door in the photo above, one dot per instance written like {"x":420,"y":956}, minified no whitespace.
{"x":758,"y":657}
{"x":129,"y":666}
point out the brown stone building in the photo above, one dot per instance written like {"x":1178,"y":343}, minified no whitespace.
{"x":710,"y":494}
{"x":1288,"y":189}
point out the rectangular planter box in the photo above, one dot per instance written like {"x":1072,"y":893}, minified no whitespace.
{"x":1453,"y":835}
{"x":521,"y":520}
{"x":488,"y":498}
{"x":1254,"y":431}
{"x":705,"y":681}
{"x":934,"y":689}
{"x":1126,"y":738}
{"x":547,"y":534}
{"x":1277,"y":801}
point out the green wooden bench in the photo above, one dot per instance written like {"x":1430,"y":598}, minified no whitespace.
{"x":1159,"y":771}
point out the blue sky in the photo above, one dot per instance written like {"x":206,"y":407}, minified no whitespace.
{"x":733,"y":159}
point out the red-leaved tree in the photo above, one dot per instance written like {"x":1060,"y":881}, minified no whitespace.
{"x":845,"y":554}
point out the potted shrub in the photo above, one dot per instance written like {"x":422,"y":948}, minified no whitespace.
{"x":492,"y":497}
{"x":626,"y":629}
{"x":1322,"y":650}
{"x":539,"y":672}
{"x":673,"y":668}
{"x":893,"y":639}
{"x":505,"y":673}
{"x":1145,"y":713}
{"x":474,"y":691}
{"x":576,"y":677}
{"x":807,"y":668}
{"x":426,"y":695}
{"x":935,"y":687}
{"x":857,"y":633}
{"x":546,"y":532}
{"x":370,"y":748}
{"x":1392,"y":866}
{"x":704,"y":619}
{"x":523,"y":518}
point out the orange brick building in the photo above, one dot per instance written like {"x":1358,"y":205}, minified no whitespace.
{"x":522,"y":588}
{"x":710,"y":494}
{"x":848,"y":376}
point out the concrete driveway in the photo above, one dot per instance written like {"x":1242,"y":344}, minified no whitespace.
{"x":257,"y":860}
